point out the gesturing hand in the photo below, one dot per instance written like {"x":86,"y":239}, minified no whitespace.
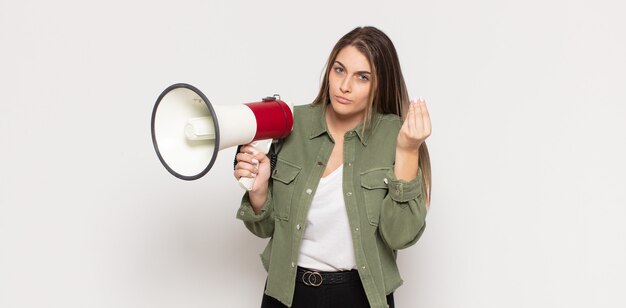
{"x":416,"y":127}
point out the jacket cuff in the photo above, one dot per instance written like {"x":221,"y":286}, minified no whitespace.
{"x":246,"y":213}
{"x":403,"y":191}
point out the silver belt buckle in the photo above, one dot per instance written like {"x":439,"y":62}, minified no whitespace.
{"x":312,"y":279}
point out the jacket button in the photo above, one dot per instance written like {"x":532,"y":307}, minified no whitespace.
{"x":349,"y":194}
{"x":319,"y":163}
{"x":309,"y":191}
{"x":385,"y":181}
{"x":298,"y":226}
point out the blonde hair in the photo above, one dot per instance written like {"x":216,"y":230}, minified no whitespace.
{"x":388,"y":95}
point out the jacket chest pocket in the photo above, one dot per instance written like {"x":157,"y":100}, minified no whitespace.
{"x":284,"y":180}
{"x":375,"y":188}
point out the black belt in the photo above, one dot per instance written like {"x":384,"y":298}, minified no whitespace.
{"x":315,"y":278}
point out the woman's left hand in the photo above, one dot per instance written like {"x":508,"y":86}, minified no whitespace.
{"x":416,"y":127}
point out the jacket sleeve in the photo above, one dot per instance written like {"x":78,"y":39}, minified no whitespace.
{"x":403,"y":212}
{"x":261,"y":225}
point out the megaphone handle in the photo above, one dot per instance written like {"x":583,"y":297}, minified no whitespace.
{"x":261,"y":146}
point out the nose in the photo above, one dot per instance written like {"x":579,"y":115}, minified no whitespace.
{"x":345,"y":86}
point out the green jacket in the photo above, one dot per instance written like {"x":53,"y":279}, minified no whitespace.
{"x":385,"y":214}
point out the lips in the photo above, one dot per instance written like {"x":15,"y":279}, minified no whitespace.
{"x":342,"y":100}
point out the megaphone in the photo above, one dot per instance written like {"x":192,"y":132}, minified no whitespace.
{"x":188,"y":131}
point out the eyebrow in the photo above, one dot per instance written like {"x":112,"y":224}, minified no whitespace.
{"x":358,"y":72}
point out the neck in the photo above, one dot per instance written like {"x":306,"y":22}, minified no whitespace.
{"x":338,"y":124}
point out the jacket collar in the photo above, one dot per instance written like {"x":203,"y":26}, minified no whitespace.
{"x":318,"y":124}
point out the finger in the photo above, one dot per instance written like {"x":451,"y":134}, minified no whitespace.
{"x":253,"y":152}
{"x":426,"y":118}
{"x":247,"y":166}
{"x":239,"y":173}
{"x":410,"y":119}
{"x":405,"y":123}
{"x":418,"y":118}
{"x":245,"y":157}
{"x":249,"y":149}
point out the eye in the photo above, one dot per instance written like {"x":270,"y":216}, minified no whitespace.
{"x":338,"y":69}
{"x":364,"y":77}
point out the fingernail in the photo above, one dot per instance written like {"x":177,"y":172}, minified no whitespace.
{"x":255,"y":161}
{"x":253,"y":151}
{"x":254,"y":175}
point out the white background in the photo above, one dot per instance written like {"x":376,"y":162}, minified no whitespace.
{"x":527,"y":102}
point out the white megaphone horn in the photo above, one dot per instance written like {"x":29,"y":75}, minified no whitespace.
{"x":188,"y":131}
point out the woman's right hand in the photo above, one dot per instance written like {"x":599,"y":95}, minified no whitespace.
{"x":254,"y":164}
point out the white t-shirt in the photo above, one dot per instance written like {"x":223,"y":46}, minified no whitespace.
{"x":327,"y":240}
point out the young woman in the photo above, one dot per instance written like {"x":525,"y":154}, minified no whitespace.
{"x":350,"y":186}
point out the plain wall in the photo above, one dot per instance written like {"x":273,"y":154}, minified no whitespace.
{"x":528,"y":145}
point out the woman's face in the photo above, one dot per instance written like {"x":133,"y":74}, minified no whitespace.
{"x":350,"y":80}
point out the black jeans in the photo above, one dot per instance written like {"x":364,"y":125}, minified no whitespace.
{"x":326,"y":296}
